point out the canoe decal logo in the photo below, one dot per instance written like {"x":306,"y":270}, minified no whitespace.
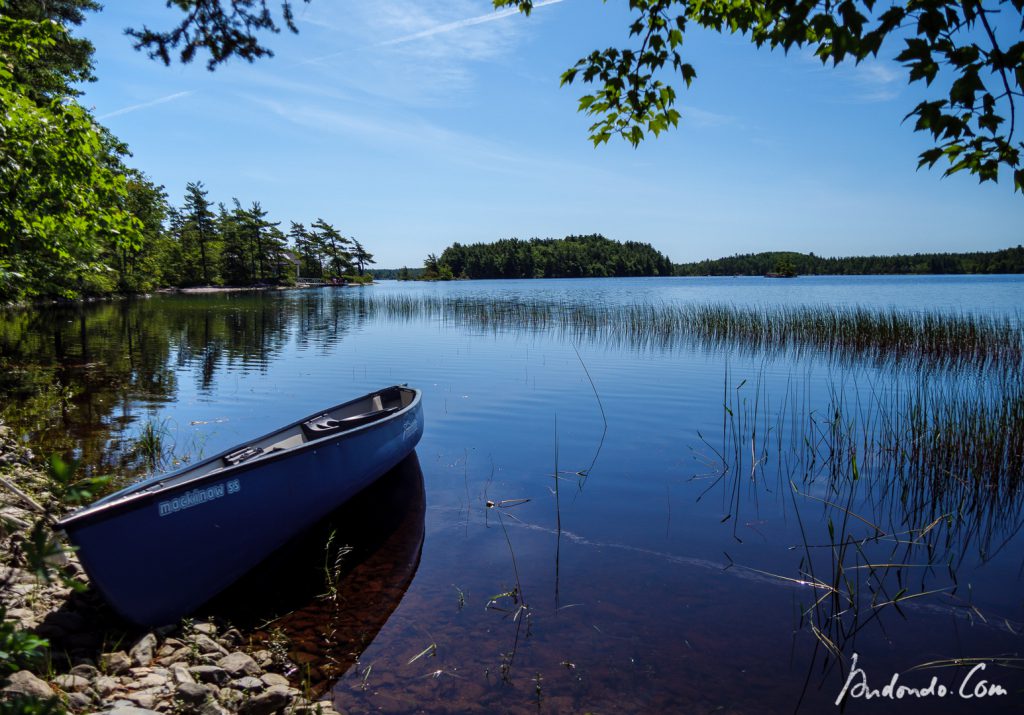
{"x":408,"y":429}
{"x":199,"y":496}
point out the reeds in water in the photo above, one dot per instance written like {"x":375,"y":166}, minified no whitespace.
{"x":929,"y":338}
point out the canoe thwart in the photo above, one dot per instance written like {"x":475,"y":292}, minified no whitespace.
{"x":324,"y":425}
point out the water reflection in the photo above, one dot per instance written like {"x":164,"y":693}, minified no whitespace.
{"x":323,"y":598}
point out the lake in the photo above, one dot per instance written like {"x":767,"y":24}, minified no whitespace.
{"x":633,"y":495}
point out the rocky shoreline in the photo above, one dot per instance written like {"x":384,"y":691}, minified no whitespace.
{"x":96,"y":663}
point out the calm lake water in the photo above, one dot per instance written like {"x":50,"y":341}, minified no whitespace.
{"x":728,"y":528}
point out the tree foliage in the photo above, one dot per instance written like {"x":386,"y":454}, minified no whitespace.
{"x":224,"y":29}
{"x":1010,"y":260}
{"x":62,"y":194}
{"x":571,"y":257}
{"x":971,"y":53}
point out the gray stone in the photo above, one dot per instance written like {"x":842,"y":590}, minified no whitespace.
{"x":142,"y":652}
{"x":205,"y":628}
{"x":232,"y":638}
{"x":144,"y":698}
{"x":247,"y":684}
{"x":79,"y":702}
{"x":86,"y":670}
{"x":263,"y":658}
{"x":121,"y":707}
{"x":205,"y":644}
{"x":210,"y":674}
{"x":105,"y":685}
{"x":25,"y":683}
{"x":192,"y":695}
{"x":212,"y":707}
{"x":239,"y":664}
{"x":232,"y":699}
{"x":180,"y":655}
{"x":71,"y":683}
{"x":180,"y":674}
{"x":274,"y":679}
{"x":152,"y":680}
{"x":115,"y":663}
{"x":271,"y":700}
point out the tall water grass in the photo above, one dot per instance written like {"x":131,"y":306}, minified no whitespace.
{"x":928,"y":338}
{"x":894,"y":485}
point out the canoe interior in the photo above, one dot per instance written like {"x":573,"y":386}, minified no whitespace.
{"x":325,"y":425}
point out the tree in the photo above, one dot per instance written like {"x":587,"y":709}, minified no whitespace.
{"x":64,"y":61}
{"x":332,"y":246}
{"x":982,"y":75}
{"x":61,"y":198}
{"x":361,"y":256}
{"x":198,"y":229}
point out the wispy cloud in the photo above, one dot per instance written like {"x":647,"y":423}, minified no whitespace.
{"x":459,"y":24}
{"x":146,"y":105}
{"x":416,"y":21}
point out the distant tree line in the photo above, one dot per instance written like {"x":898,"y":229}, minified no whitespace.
{"x":571,"y":257}
{"x":1009,"y":260}
{"x":398,"y":274}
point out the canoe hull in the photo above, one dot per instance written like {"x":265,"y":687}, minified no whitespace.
{"x":158,"y":558}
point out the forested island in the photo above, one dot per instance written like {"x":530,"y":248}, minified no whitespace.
{"x":1009,"y":260}
{"x":590,"y":256}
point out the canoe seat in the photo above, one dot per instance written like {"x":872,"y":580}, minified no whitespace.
{"x":324,"y":425}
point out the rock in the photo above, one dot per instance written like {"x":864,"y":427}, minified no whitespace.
{"x":274,"y":679}
{"x":205,"y":644}
{"x":180,"y":674}
{"x":267,"y":702}
{"x":232,"y":638}
{"x":192,"y":695}
{"x":210,"y":674}
{"x":122,"y":708}
{"x":144,"y":698}
{"x":71,"y":683}
{"x":152,"y":680}
{"x":142,"y":652}
{"x":181,"y":655}
{"x":115,"y":663}
{"x":263,"y":658}
{"x":239,"y":664}
{"x":232,"y":699}
{"x":25,"y":683}
{"x":207,"y":629}
{"x":247,"y":684}
{"x":86,"y":670}
{"x":105,"y":685}
{"x":78,"y":702}
{"x":212,"y":707}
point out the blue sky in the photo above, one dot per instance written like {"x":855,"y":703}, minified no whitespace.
{"x":411,"y":125}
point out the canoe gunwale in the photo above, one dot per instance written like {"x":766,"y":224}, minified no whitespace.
{"x":160,"y":485}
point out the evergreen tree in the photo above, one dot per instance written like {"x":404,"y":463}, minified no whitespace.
{"x":333,"y":245}
{"x":361,"y":256}
{"x":199,"y":233}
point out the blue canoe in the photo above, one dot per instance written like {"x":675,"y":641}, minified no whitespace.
{"x":163,"y":547}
